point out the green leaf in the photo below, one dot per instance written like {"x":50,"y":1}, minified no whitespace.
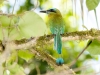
{"x":11,"y":59}
{"x":5,"y":21}
{"x":94,"y":48}
{"x":25,"y":54}
{"x":92,"y":4}
{"x":29,"y":24}
{"x":15,"y":69}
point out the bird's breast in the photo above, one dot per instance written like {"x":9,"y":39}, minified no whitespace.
{"x":56,"y":24}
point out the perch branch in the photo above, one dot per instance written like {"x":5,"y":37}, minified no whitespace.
{"x":78,"y":35}
{"x":37,"y":43}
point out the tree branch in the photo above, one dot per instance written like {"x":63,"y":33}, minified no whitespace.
{"x":36,"y":44}
{"x":78,"y":35}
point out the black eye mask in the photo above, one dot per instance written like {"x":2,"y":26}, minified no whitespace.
{"x":51,"y":10}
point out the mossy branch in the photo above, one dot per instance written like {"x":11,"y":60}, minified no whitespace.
{"x":36,"y":45}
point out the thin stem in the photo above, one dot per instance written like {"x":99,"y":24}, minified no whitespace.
{"x":11,"y":19}
{"x":14,"y":6}
{"x":73,"y":62}
{"x":96,"y":19}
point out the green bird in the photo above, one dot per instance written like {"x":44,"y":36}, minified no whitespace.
{"x":57,"y":25}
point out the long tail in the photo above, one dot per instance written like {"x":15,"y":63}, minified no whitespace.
{"x":58,"y":43}
{"x":58,"y":47}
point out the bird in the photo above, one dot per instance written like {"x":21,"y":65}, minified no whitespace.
{"x":57,"y":26}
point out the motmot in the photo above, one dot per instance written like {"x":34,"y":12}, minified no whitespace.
{"x":57,"y":26}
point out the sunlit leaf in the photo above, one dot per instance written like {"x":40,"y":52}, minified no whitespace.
{"x":30,"y":24}
{"x":5,"y":22}
{"x":11,"y":59}
{"x":25,"y":54}
{"x":92,"y":4}
{"x":94,"y":48}
{"x":16,"y":69}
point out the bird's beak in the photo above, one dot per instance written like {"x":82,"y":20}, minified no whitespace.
{"x":43,"y":11}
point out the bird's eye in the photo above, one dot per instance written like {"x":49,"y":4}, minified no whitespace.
{"x":52,"y":10}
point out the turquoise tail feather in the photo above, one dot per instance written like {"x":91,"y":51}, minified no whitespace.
{"x":59,"y":61}
{"x":55,"y":46}
{"x":58,"y":43}
{"x":58,"y":47}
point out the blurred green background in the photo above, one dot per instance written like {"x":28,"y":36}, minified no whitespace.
{"x":70,"y":49}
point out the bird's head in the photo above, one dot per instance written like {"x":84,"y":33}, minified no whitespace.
{"x":51,"y":12}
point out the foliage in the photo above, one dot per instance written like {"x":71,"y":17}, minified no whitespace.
{"x":26,"y":24}
{"x":92,"y":4}
{"x":23,"y":26}
{"x":95,"y":47}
